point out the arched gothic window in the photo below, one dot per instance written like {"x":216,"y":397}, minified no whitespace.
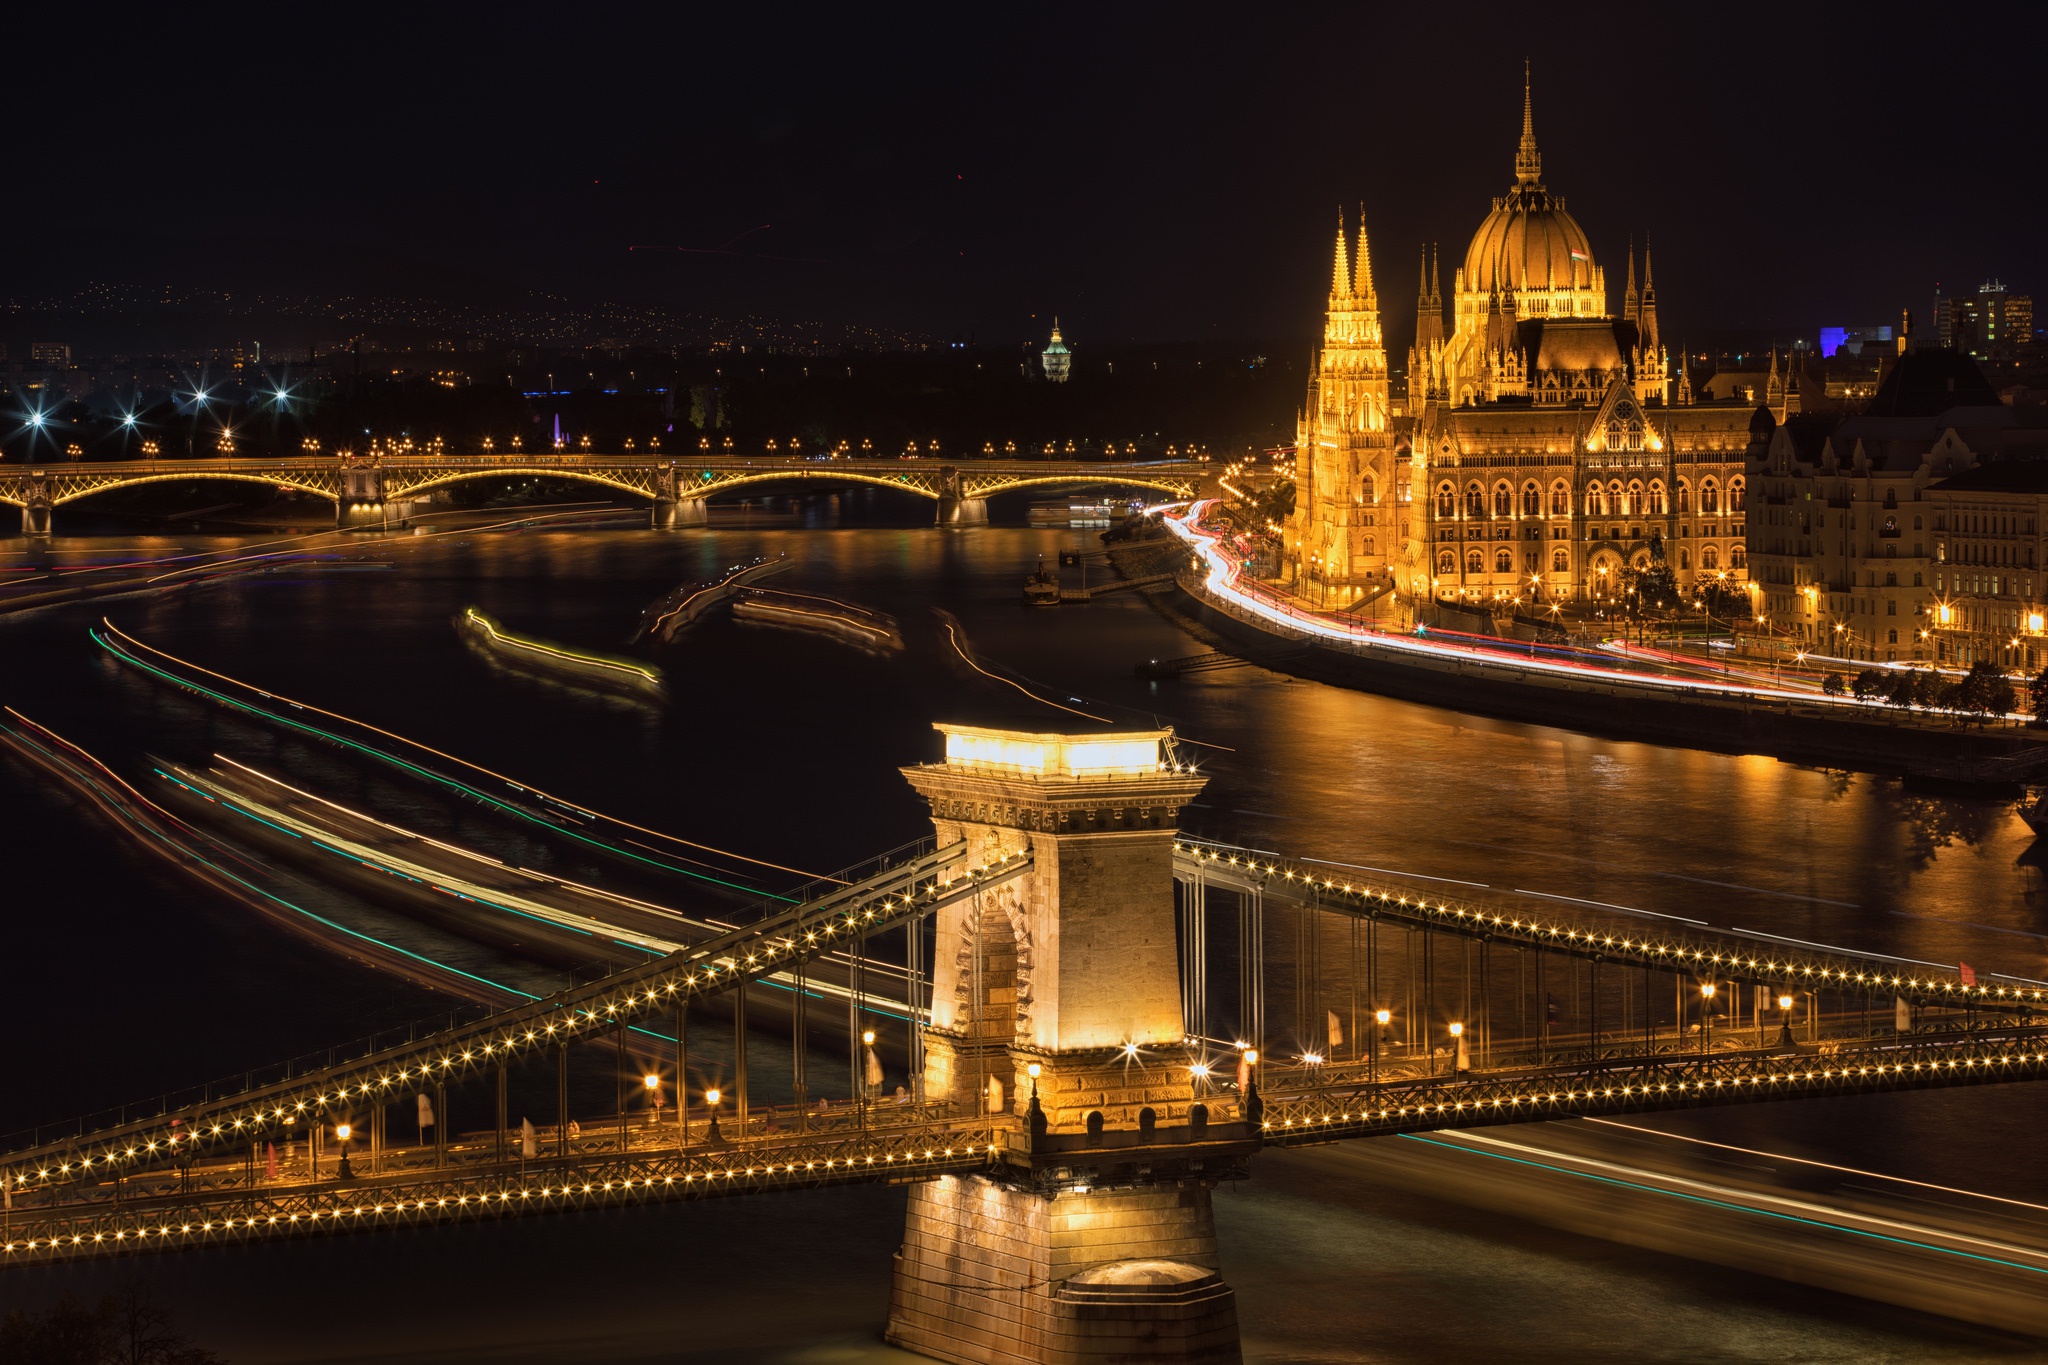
{"x":1738,"y":494}
{"x":1684,"y":497}
{"x":1738,"y":557}
{"x":1710,"y":558}
{"x":1503,"y":562}
{"x":1503,"y":500}
{"x":1446,"y":501}
{"x":1446,"y":564}
{"x":1560,"y":562}
{"x":1532,"y":500}
{"x":1473,"y":564}
{"x":1560,"y":500}
{"x":1475,"y":501}
{"x":1710,"y":498}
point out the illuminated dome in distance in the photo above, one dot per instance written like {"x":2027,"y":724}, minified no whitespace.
{"x":1057,"y":358}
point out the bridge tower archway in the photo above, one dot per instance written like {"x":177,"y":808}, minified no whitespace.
{"x":1061,"y":990}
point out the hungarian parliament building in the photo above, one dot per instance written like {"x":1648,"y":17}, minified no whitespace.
{"x":1543,"y":444}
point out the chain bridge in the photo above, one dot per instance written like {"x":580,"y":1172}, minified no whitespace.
{"x":1105,"y":1020}
{"x":366,"y":491}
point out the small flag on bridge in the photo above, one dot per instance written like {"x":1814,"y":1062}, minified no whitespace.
{"x":1969,"y":974}
{"x":529,"y":1145}
{"x":1902,"y":1014}
{"x":1336,"y":1031}
{"x":1550,"y":1011}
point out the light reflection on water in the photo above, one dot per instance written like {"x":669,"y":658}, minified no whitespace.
{"x":785,"y":746}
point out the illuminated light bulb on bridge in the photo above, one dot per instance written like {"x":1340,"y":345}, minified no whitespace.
{"x":342,"y":1130}
{"x":651,"y":1081}
{"x":1200,"y":1071}
{"x":1707,"y":989}
{"x":1251,"y":1055}
{"x":1457,"y":1030}
{"x":868,"y":1037}
{"x":711,"y":1097}
{"x":1034,"y":1070}
{"x":1130,"y":1049}
{"x":1784,"y":1002}
{"x":1384,"y":1016}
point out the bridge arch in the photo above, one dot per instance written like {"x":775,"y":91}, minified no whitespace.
{"x":198,"y":472}
{"x":1181,"y":487}
{"x":402,"y":483}
{"x":922,"y":484}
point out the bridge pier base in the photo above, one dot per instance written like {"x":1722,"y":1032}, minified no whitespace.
{"x":35,"y":518}
{"x":673,"y":513}
{"x":963,"y":511}
{"x":351,"y":515}
{"x":993,"y":1272}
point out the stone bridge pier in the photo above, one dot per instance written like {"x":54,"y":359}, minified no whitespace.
{"x":671,"y":509}
{"x":1056,"y":1002}
{"x":37,"y":506}
{"x":362,"y":497}
{"x":955,"y":508}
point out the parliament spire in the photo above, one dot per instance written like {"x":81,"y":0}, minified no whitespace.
{"x":1528,"y":163}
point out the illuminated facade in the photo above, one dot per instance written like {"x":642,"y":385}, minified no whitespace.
{"x":1915,"y":531}
{"x":1544,"y":443}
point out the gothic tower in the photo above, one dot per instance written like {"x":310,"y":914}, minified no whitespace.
{"x":1342,"y":535}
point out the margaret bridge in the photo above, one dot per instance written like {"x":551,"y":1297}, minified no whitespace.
{"x":1080,"y":997}
{"x":364,"y":491}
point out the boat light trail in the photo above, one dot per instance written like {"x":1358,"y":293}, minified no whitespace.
{"x":106,"y":642}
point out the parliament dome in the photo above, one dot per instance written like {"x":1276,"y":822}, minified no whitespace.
{"x":1529,"y":240}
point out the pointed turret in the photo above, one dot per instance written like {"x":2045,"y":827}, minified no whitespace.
{"x":1628,"y":296}
{"x":1361,"y":281}
{"x":1647,"y":318}
{"x":1429,"y":307}
{"x":1528,"y":164}
{"x":1340,"y":276}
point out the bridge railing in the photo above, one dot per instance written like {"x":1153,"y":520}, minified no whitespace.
{"x":203,"y":1208}
{"x":1641,"y":1084}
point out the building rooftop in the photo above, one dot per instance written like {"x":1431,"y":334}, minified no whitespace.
{"x":2004,"y":476}
{"x":1930,"y":382}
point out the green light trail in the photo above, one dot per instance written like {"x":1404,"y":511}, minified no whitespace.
{"x":384,"y":756}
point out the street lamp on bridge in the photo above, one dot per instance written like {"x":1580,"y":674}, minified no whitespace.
{"x":341,"y":1134}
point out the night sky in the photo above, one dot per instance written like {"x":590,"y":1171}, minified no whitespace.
{"x":1148,"y":173}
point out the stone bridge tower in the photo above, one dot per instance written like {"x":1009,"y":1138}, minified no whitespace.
{"x":1056,"y":1006}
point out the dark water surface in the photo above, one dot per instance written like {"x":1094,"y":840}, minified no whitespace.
{"x":123,"y":980}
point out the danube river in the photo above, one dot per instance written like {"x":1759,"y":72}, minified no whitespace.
{"x":124,"y":980}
